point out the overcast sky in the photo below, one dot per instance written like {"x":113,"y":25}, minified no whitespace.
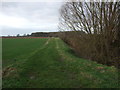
{"x":27,"y":17}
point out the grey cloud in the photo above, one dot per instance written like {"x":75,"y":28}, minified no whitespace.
{"x":43,"y":16}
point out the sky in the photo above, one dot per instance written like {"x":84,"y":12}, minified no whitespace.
{"x":27,"y":17}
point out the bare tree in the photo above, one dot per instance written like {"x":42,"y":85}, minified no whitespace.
{"x":99,"y":20}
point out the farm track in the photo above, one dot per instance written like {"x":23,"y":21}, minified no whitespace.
{"x":38,"y":49}
{"x":61,"y":52}
{"x":52,"y":65}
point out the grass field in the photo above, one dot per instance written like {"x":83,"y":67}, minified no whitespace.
{"x":50,"y":63}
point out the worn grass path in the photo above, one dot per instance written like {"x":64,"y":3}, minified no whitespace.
{"x":55,"y":66}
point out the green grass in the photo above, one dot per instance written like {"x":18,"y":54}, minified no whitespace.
{"x":49,"y":63}
{"x":16,"y":49}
